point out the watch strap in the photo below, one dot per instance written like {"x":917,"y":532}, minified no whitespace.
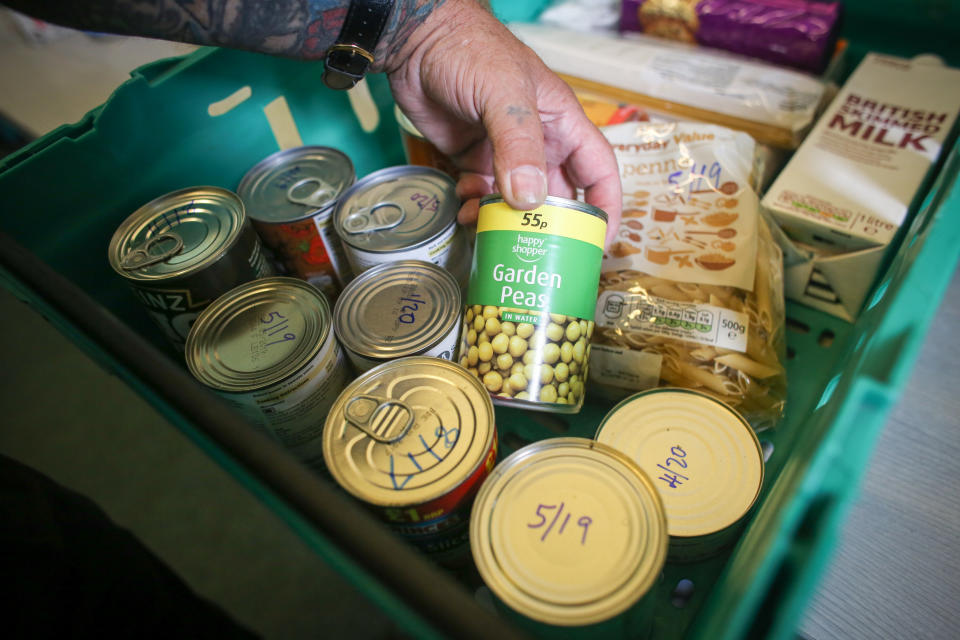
{"x":350,"y":57}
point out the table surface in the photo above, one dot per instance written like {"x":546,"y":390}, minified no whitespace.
{"x":896,"y":569}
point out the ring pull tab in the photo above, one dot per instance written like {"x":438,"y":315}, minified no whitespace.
{"x":319,"y":197}
{"x":141,"y":257}
{"x":379,"y":217}
{"x":384,"y":420}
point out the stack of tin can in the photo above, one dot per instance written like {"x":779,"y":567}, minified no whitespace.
{"x":377,"y":354}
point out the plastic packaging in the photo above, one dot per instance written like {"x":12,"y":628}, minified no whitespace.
{"x":794,"y":33}
{"x":691,"y":293}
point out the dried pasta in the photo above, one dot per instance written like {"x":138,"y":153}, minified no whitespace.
{"x":679,"y":322}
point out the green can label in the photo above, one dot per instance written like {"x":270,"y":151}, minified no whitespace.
{"x":529,"y":314}
{"x":547,"y":259}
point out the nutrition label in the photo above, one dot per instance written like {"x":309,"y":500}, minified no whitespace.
{"x":689,"y":321}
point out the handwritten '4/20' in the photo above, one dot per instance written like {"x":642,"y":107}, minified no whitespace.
{"x":583,"y":521}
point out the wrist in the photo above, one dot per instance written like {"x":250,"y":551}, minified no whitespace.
{"x":414,"y":23}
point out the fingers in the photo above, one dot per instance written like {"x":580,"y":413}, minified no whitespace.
{"x":606,"y":194}
{"x":474,"y":185}
{"x":512,"y":121}
{"x":592,"y":165}
{"x":470,"y":188}
{"x":469,"y":211}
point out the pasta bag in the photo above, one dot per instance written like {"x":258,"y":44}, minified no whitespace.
{"x":691,"y":293}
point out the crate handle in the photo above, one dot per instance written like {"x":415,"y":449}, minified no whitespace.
{"x":802,"y":564}
{"x":156,"y":71}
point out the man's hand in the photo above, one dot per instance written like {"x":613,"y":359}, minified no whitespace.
{"x":464,"y":80}
{"x":511,"y":125}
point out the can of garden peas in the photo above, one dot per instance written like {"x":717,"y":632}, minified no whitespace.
{"x":528,"y":316}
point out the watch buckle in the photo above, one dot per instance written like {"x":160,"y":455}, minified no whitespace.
{"x":353,"y":64}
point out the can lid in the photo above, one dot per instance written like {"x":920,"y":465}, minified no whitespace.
{"x":408,"y":431}
{"x":396,"y":208}
{"x":257,"y":334}
{"x":177,"y":233}
{"x":397,"y":309}
{"x":703,"y":457}
{"x":568,"y":531}
{"x":295,"y":183}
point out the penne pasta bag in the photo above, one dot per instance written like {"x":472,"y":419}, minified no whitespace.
{"x":691,"y":293}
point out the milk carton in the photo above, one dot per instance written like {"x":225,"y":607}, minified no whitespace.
{"x":849,"y":187}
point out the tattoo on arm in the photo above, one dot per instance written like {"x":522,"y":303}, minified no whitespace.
{"x":291,"y":28}
{"x":407,"y":15}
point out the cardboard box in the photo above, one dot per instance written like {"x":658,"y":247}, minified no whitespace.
{"x":849,"y":187}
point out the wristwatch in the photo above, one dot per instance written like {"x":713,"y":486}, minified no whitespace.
{"x":351,"y":55}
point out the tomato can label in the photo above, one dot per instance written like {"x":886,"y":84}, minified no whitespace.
{"x":310,"y":250}
{"x":290,"y":197}
{"x":531,"y":300}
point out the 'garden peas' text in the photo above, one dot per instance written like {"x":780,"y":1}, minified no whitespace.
{"x":510,"y":294}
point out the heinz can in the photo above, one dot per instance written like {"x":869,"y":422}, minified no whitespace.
{"x":530,"y":305}
{"x":290,"y":197}
{"x":182,"y":250}
{"x":402,"y":213}
{"x":399,"y":309}
{"x":413,"y":439}
{"x":420,"y":151}
{"x":569,"y":532}
{"x":267,"y":348}
{"x":703,"y":457}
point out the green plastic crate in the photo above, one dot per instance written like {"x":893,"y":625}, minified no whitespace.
{"x":64,"y":195}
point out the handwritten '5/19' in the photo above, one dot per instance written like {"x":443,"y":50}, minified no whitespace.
{"x":277,"y":324}
{"x":584,"y":521}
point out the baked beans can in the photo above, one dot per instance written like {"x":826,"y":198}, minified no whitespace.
{"x":530,"y":305}
{"x":290,"y":197}
{"x":403,"y":213}
{"x":420,"y":151}
{"x":413,"y":439}
{"x":181,"y":251}
{"x":569,"y":532}
{"x":703,"y":458}
{"x":268,"y":349}
{"x":399,"y":309}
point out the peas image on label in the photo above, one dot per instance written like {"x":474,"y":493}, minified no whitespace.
{"x":530,"y":306}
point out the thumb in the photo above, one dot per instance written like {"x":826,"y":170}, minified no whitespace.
{"x":519,"y":164}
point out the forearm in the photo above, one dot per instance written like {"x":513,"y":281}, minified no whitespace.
{"x":292,"y":28}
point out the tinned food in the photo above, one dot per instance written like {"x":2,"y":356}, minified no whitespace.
{"x":399,"y":309}
{"x":182,"y":250}
{"x":530,"y":306}
{"x":703,"y":458}
{"x":290,"y":197}
{"x":413,"y":439}
{"x":570,"y":532}
{"x":268,"y":349}
{"x":403,"y":213}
